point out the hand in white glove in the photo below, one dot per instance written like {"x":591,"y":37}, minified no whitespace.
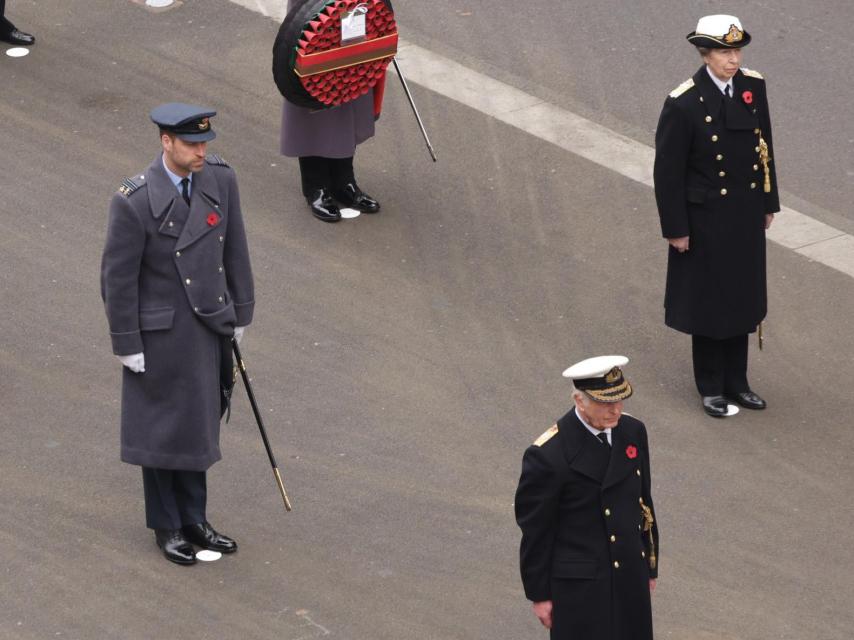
{"x":135,"y":362}
{"x":238,"y":333}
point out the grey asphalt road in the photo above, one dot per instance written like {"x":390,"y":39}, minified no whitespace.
{"x":405,"y":360}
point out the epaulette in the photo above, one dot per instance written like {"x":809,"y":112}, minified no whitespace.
{"x":752,"y":73}
{"x":547,"y":435}
{"x":215,"y":159}
{"x":682,"y":88}
{"x":129,"y":185}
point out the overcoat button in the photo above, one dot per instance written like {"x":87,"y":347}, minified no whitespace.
{"x":219,"y":299}
{"x":637,"y":471}
{"x":723,"y":192}
{"x":171,"y":224}
{"x":715,"y":138}
{"x":613,"y":538}
{"x":752,"y":185}
{"x":756,"y":131}
{"x":187,"y":281}
{"x":220,"y":269}
{"x":221,"y":238}
{"x":756,"y":149}
{"x":196,"y":309}
{"x":643,"y":554}
{"x":708,"y":118}
{"x":756,"y":167}
{"x":177,"y":254}
{"x":719,"y":157}
{"x":616,"y":564}
{"x":607,"y":512}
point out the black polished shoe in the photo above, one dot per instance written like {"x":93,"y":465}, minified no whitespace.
{"x":323,"y":207}
{"x":749,"y":400}
{"x":204,"y":535}
{"x":175,"y":547}
{"x":18,"y":37}
{"x":353,"y":196}
{"x":715,"y":406}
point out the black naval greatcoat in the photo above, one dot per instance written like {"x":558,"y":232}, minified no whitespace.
{"x":583,"y":544}
{"x":709,"y":186}
{"x":175,"y":281}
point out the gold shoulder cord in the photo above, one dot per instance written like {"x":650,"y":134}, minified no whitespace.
{"x":648,"y":521}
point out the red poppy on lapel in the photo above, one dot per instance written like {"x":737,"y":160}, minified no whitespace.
{"x":213,"y":219}
{"x":631,"y":452}
{"x":747,"y":96}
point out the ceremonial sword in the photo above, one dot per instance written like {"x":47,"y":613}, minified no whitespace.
{"x":260,"y":422}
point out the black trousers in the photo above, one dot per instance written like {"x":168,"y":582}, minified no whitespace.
{"x":318,"y":172}
{"x":6,"y":27}
{"x":720,"y":366}
{"x":174,"y":499}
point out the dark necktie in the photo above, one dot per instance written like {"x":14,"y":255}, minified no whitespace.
{"x":726,"y":92}
{"x":185,"y":190}
{"x":603,"y":438}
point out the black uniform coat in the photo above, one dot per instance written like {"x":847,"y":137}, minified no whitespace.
{"x":174,"y":280}
{"x":709,"y":186}
{"x":582,"y":541}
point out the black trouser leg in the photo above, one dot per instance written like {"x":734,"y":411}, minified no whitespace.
{"x":342,"y":173}
{"x":735,"y":356}
{"x":709,"y":365}
{"x":316,"y":173}
{"x":174,"y":499}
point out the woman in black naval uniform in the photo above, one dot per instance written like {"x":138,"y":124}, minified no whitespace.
{"x":716,"y":191}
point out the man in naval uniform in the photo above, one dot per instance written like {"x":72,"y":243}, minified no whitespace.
{"x":589,"y":551}
{"x":716,"y":190}
{"x":177,"y":286}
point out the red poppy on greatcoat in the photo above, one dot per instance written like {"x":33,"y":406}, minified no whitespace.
{"x":212,"y":219}
{"x":747,"y":96}
{"x":631,"y":452}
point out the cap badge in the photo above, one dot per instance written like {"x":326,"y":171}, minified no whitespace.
{"x":613,"y":376}
{"x":734,"y":35}
{"x":204,"y":124}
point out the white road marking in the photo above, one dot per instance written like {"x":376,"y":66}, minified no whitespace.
{"x":791,"y":229}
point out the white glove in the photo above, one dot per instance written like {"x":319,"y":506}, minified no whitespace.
{"x":135,"y":362}
{"x":238,"y":333}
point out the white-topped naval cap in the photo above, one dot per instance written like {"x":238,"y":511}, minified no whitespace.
{"x":717,"y":25}
{"x":594,"y":367}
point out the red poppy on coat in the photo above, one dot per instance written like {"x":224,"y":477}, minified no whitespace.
{"x":747,"y":96}
{"x":212,"y":219}
{"x":631,"y":452}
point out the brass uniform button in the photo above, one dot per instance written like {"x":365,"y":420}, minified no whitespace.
{"x":219,"y":299}
{"x":221,"y":238}
{"x":723,"y":192}
{"x":756,"y":149}
{"x":616,"y":564}
{"x":613,"y":538}
{"x":607,"y":512}
{"x":643,"y":554}
{"x":715,"y":138}
{"x":752,"y":185}
{"x":756,"y":131}
{"x":719,"y":157}
{"x":637,"y":471}
{"x":756,"y":167}
{"x":171,"y":224}
{"x":196,"y":309}
{"x":220,"y":269}
{"x":722,"y":173}
{"x":187,"y":281}
{"x":708,"y":118}
{"x":177,"y":254}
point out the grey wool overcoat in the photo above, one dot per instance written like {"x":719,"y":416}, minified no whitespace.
{"x":329,"y":133}
{"x":175,"y":280}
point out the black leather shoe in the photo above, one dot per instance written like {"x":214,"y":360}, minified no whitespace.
{"x":323,"y":207}
{"x":353,"y":196}
{"x":175,"y":546}
{"x":205,"y":536}
{"x":750,"y":400}
{"x":715,"y":406}
{"x":18,"y":37}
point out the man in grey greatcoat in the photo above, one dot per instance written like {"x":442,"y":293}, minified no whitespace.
{"x":325,"y":142}
{"x":177,"y":286}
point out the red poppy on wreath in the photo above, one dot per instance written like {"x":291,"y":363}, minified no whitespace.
{"x":212,"y":219}
{"x":747,"y":96}
{"x":631,"y":452}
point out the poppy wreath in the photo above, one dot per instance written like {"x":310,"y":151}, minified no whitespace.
{"x":631,"y":452}
{"x":311,"y":67}
{"x":747,"y":96}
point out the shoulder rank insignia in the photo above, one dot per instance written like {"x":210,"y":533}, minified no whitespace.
{"x":128,"y":186}
{"x":550,"y":433}
{"x":215,"y":159}
{"x":751,"y":73}
{"x":682,"y":88}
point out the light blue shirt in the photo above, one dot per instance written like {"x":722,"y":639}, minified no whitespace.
{"x":593,"y":431}
{"x":176,"y":179}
